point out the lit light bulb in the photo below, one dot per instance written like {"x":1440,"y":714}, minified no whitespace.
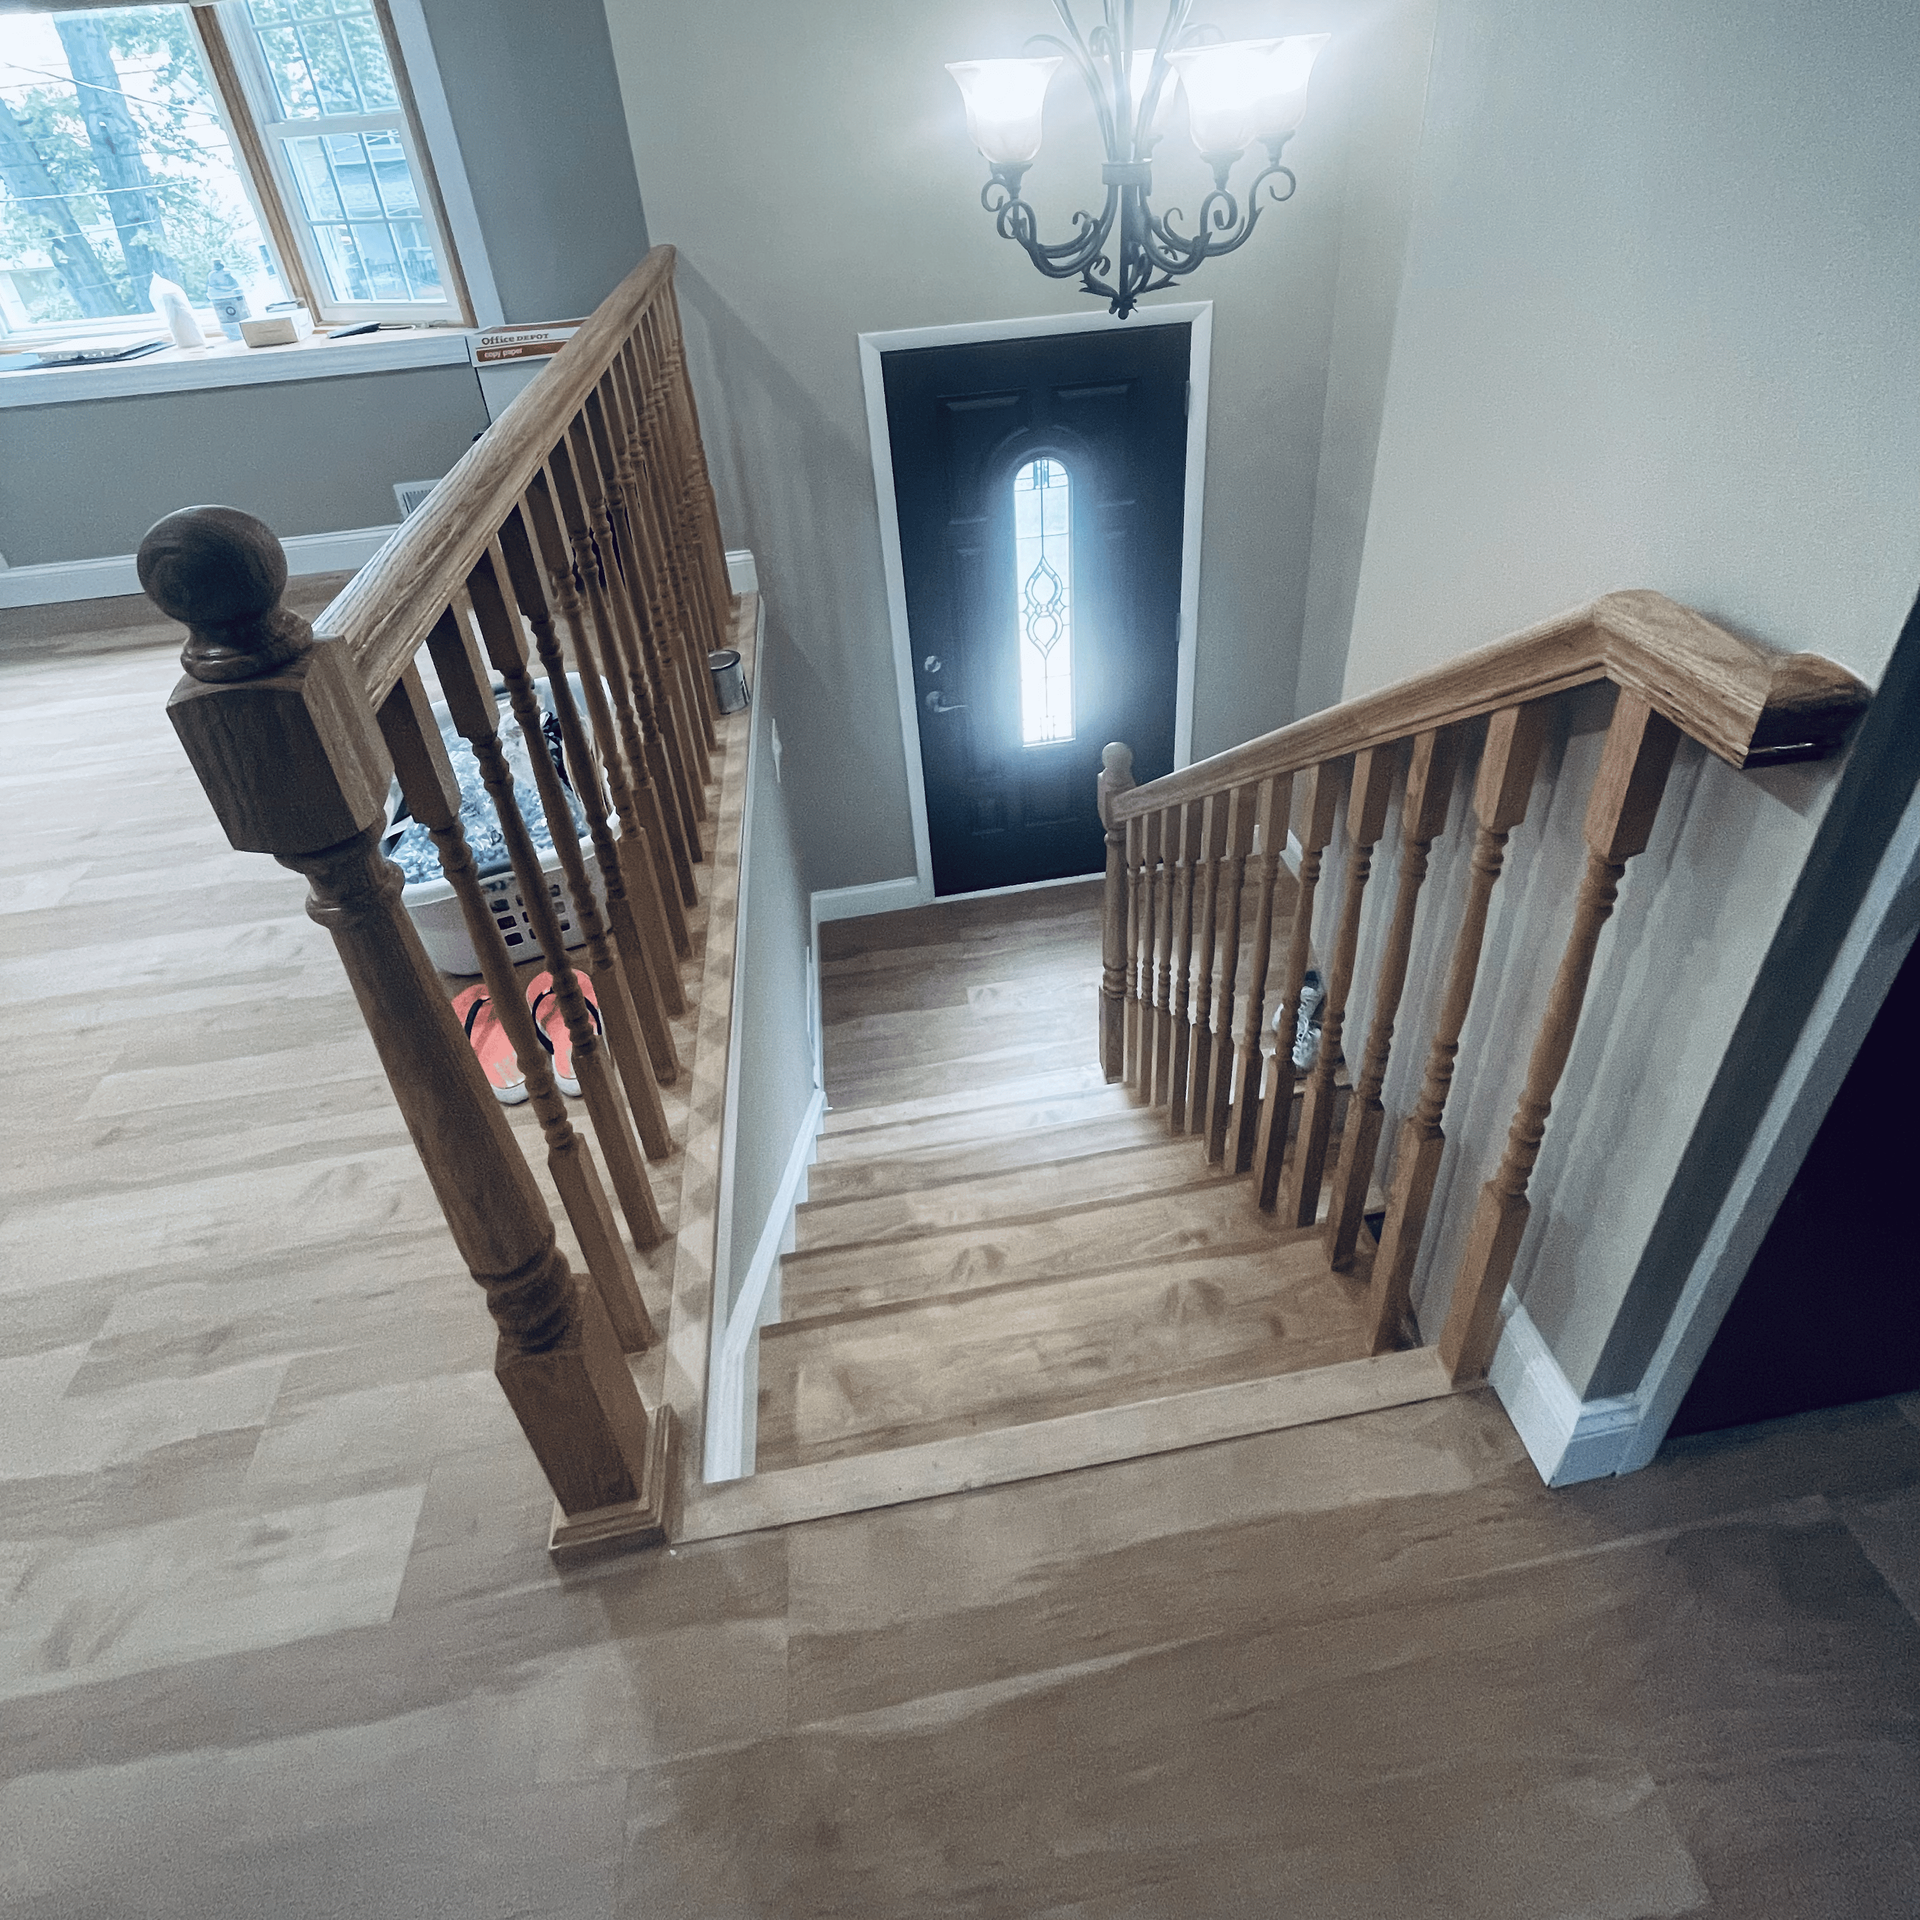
{"x":1280,"y":89}
{"x":1239,"y":91}
{"x":1004,"y":100}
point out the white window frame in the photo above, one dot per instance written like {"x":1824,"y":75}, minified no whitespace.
{"x":271,"y":130}
{"x":447,"y":201}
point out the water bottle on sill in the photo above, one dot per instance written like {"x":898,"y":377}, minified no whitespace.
{"x":228,"y":299}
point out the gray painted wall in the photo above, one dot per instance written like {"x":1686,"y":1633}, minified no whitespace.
{"x":802,"y":225}
{"x":537,"y":109}
{"x":776,"y":1054}
{"x":89,"y":477}
{"x":536,"y":106}
{"x":1659,"y":326}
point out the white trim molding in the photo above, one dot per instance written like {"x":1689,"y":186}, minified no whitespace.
{"x":743,"y":574}
{"x":188,"y":369}
{"x":726,"y":1438}
{"x":876,"y":896}
{"x":115,"y":573}
{"x":1197,"y":314}
{"x":1883,"y":931}
{"x":1571,"y":1439}
{"x":1567,"y":1438}
{"x":449,"y":166}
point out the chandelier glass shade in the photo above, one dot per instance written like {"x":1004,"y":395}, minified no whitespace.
{"x":1240,"y":95}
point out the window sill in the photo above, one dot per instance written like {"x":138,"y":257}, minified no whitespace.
{"x":185,"y":369}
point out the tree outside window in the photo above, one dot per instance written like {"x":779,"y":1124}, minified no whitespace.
{"x":114,"y":166}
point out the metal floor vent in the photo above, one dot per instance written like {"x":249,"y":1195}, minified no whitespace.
{"x":410,"y":493}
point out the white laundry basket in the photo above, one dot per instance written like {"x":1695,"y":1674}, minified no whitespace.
{"x":435,"y":910}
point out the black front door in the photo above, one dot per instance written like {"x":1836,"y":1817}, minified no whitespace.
{"x":1040,"y":486}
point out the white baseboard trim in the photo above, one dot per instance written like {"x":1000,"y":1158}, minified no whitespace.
{"x":743,"y":576}
{"x":115,"y":573}
{"x":726,"y":1392}
{"x":1567,"y":1438}
{"x":877,"y":896}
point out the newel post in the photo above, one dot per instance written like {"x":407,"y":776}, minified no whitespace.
{"x":286,"y":744}
{"x":1116,"y":776}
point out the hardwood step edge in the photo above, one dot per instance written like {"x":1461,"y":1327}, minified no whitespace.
{"x":1270,"y":1242}
{"x":821,"y":1209}
{"x":999,"y":1456}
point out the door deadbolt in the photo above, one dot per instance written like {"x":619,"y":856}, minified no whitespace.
{"x":931,"y":664}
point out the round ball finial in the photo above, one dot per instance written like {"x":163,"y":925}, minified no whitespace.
{"x":220,"y":573}
{"x":1116,"y":758}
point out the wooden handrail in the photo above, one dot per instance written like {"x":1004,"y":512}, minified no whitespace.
{"x":1745,"y":703}
{"x":1333,"y":778}
{"x":575,"y":545}
{"x":386,"y":611}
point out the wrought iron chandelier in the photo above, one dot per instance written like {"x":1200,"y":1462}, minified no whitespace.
{"x":1239,"y":93}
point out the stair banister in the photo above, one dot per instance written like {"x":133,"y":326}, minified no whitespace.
{"x":286,"y":743}
{"x":580,"y":528}
{"x":1674,"y":674}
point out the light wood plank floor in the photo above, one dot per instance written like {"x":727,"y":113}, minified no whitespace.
{"x":997,"y":1238}
{"x":279,"y":1635}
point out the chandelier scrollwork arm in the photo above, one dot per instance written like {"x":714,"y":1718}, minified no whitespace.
{"x":1242,"y":95}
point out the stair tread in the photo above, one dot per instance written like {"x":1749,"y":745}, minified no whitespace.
{"x":1218,"y":1216}
{"x":983,"y":1070}
{"x":895,"y":1042}
{"x":845,"y":1117}
{"x":1126,"y":1169}
{"x":939,"y":1367}
{"x":955,"y":1128}
{"x":1051,"y":1133}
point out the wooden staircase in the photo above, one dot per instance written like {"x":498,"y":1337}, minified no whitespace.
{"x":1024,"y":1245}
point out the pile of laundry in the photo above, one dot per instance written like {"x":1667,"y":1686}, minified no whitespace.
{"x":410,"y":847}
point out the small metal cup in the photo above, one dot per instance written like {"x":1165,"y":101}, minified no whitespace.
{"x":729,"y":683}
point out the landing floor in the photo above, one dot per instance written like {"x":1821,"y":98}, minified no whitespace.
{"x":279,"y":1635}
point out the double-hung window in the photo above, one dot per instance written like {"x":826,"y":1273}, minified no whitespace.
{"x":274,"y":138}
{"x":323,"y":92}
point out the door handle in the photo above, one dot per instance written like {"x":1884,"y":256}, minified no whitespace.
{"x":934,"y":704}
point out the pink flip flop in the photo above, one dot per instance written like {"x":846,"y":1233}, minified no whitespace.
{"x":488,"y":1037}
{"x":552,"y":1025}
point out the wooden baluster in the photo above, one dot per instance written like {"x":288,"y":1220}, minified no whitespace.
{"x":681,"y":627}
{"x":706,"y":509}
{"x":650,"y":879}
{"x":1367,"y":797}
{"x":1620,"y":813}
{"x":1149,"y":882}
{"x":1181,"y":1071}
{"x":283,"y":739}
{"x":1213,"y":838}
{"x":619,"y":419}
{"x":432,"y":793}
{"x":615,"y":639}
{"x":698,"y":516}
{"x":505,"y":641}
{"x":464,"y":680}
{"x":1501,"y":791}
{"x":1137,"y":923}
{"x":1276,"y":798}
{"x":1240,"y":820}
{"x":595,"y":465}
{"x":1325,"y":785}
{"x":583,"y":475}
{"x":1423,"y":818}
{"x":688,"y":657}
{"x":697,"y":627}
{"x":1116,"y":777}
{"x":1167,"y":826}
{"x":636,"y":975}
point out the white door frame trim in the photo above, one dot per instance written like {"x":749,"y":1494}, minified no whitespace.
{"x":1197,"y":314}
